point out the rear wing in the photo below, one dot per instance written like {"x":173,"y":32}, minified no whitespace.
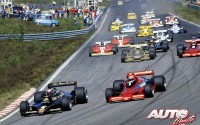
{"x":158,"y":31}
{"x":170,"y":17}
{"x":143,"y":73}
{"x":144,"y":27}
{"x":60,"y":84}
{"x":120,"y":36}
{"x":193,"y":41}
{"x":141,"y":45}
{"x":155,"y":19}
{"x":105,"y":42}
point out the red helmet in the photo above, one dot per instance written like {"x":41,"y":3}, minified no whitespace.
{"x":132,"y":76}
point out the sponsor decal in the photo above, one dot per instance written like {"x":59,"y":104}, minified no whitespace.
{"x":181,"y":116}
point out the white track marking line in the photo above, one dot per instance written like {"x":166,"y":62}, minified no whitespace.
{"x":62,"y":66}
{"x":185,"y":20}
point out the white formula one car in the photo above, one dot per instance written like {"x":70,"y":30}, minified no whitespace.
{"x":145,"y":19}
{"x":171,"y":20}
{"x":175,"y":29}
{"x":156,"y":23}
{"x":150,"y":14}
{"x":162,"y":35}
{"x":128,"y":28}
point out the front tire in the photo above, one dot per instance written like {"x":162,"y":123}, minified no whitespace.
{"x":148,"y":91}
{"x":123,"y":58}
{"x":66,"y":104}
{"x":180,"y":51}
{"x":24,"y":107}
{"x":108,"y":93}
{"x":165,"y":46}
{"x":117,"y":86}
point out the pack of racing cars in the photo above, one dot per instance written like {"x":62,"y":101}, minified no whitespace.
{"x":138,"y":84}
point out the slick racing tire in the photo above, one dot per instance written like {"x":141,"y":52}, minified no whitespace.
{"x":108,"y":93}
{"x":180,"y":51}
{"x":165,"y":46}
{"x":24,"y":107}
{"x":114,"y":50}
{"x":148,"y":91}
{"x":131,"y":42}
{"x":160,"y":83}
{"x":66,"y":104}
{"x":81,"y":95}
{"x":171,"y":37}
{"x":152,"y":53}
{"x":123,"y":58}
{"x":115,"y":46}
{"x":90,"y":51}
{"x":117,"y":87}
{"x":38,"y":96}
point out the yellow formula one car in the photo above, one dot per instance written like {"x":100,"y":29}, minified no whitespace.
{"x":120,"y":3}
{"x":145,"y":32}
{"x":115,"y":25}
{"x":145,"y":27}
{"x":131,"y":15}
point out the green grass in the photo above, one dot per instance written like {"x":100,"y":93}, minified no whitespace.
{"x":15,"y":26}
{"x":26,"y":64}
{"x":187,"y":13}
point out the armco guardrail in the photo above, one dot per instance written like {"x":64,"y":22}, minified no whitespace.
{"x":193,"y":6}
{"x":55,"y":35}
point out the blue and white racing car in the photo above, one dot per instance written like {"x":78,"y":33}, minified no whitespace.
{"x":175,"y":29}
{"x":128,"y":28}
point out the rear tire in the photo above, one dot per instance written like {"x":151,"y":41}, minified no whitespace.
{"x":148,"y":91}
{"x":108,"y":93}
{"x":38,"y":96}
{"x":160,"y":83}
{"x":114,"y":50}
{"x":66,"y":104}
{"x":24,"y":107}
{"x":81,"y":95}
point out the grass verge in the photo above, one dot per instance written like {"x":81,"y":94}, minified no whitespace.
{"x":187,"y":13}
{"x":16,"y":26}
{"x":26,"y":64}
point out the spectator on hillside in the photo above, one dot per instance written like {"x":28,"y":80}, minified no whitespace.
{"x":67,"y":13}
{"x":75,"y":20}
{"x":3,"y":14}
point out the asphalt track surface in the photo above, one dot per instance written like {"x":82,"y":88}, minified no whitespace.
{"x":98,"y":73}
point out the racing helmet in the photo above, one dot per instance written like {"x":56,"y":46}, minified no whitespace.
{"x":193,"y":45}
{"x":137,"y":46}
{"x":102,"y":44}
{"x":51,"y":91}
{"x":175,"y":25}
{"x":131,"y":79}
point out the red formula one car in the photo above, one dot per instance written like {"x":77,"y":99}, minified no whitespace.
{"x":122,"y":41}
{"x":136,"y":87}
{"x":103,"y":48}
{"x":192,"y":48}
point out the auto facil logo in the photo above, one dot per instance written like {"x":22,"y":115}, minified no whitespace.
{"x":181,"y":116}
